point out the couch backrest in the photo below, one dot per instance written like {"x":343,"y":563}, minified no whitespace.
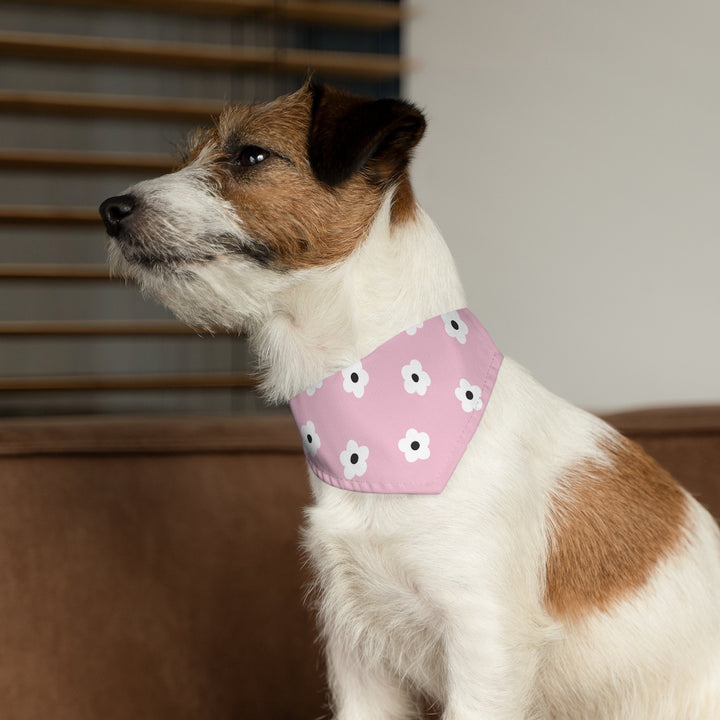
{"x":150,"y":569}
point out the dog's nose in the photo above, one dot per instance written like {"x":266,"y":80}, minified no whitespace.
{"x":114,"y":210}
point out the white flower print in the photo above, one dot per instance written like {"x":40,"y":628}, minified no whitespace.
{"x":354,"y":460}
{"x":469,"y":396}
{"x":310,"y":438}
{"x":412,"y":330}
{"x":455,"y":327}
{"x":416,"y":379}
{"x":355,"y":378}
{"x":415,"y":445}
{"x":311,"y":390}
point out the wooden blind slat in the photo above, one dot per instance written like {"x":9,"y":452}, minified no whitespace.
{"x":184,"y":381}
{"x":71,"y":48}
{"x":42,"y":271}
{"x":352,"y":14}
{"x":364,"y":15}
{"x":45,"y":215}
{"x":82,"y":161}
{"x":95,"y":106}
{"x":85,"y":328}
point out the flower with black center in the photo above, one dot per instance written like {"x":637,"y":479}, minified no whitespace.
{"x":355,"y":378}
{"x":469,"y":396}
{"x":416,"y":379}
{"x":455,"y":327}
{"x":415,"y":445}
{"x":310,"y":438}
{"x":354,"y":460}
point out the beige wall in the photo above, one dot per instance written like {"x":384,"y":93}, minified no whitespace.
{"x":573,"y":163}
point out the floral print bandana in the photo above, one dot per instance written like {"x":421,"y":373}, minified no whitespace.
{"x":399,"y":420}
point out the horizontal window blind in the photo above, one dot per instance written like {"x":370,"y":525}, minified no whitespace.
{"x":96,"y":95}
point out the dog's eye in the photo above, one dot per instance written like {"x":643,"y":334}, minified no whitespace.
{"x":251,"y":155}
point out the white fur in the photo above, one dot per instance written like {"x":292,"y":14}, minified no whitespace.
{"x":443,"y":594}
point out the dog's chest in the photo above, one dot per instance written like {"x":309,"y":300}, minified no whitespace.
{"x":373,"y":590}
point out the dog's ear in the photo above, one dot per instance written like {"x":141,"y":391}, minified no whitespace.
{"x":350,"y":133}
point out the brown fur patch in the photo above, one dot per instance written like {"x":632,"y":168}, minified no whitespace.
{"x":283,"y":207}
{"x":404,"y":205}
{"x":296,"y":219}
{"x":610,"y":525}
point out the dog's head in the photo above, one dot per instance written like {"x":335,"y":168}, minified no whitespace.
{"x":270,"y":190}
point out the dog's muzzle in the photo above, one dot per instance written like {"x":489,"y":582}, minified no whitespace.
{"x":114,"y":211}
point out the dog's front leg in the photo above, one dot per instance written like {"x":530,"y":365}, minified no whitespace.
{"x":490,"y":669}
{"x":363,"y":692}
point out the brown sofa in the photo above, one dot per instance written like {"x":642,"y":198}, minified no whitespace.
{"x":149,"y":567}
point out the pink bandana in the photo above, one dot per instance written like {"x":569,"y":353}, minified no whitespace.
{"x":399,"y":420}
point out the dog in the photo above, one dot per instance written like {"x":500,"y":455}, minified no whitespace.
{"x":551,"y":569}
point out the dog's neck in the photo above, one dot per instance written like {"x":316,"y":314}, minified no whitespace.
{"x":402,"y":274}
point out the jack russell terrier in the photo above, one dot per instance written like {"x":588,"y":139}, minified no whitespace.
{"x":476,"y":540}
